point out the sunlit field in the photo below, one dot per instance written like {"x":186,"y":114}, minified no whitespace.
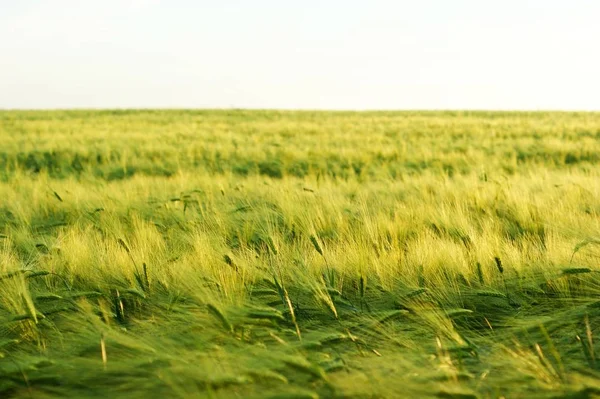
{"x":264,"y":254}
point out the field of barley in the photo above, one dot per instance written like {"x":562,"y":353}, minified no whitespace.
{"x":266,"y":254}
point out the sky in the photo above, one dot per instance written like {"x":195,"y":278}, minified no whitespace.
{"x":327,"y":54}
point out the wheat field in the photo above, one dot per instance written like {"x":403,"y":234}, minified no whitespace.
{"x":268,"y":254}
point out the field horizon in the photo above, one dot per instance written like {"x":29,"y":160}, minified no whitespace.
{"x":299,"y":254}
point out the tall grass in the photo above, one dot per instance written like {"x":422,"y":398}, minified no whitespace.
{"x":299,"y":254}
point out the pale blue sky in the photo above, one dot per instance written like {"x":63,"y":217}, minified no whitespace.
{"x":419,"y":54}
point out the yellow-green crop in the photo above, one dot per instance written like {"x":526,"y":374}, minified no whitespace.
{"x":226,"y":254}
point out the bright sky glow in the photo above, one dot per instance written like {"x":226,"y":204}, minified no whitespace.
{"x":327,"y":54}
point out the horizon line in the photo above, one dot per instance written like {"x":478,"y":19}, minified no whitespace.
{"x":302,"y":109}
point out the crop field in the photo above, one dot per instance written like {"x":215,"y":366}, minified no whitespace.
{"x":265,"y":254}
